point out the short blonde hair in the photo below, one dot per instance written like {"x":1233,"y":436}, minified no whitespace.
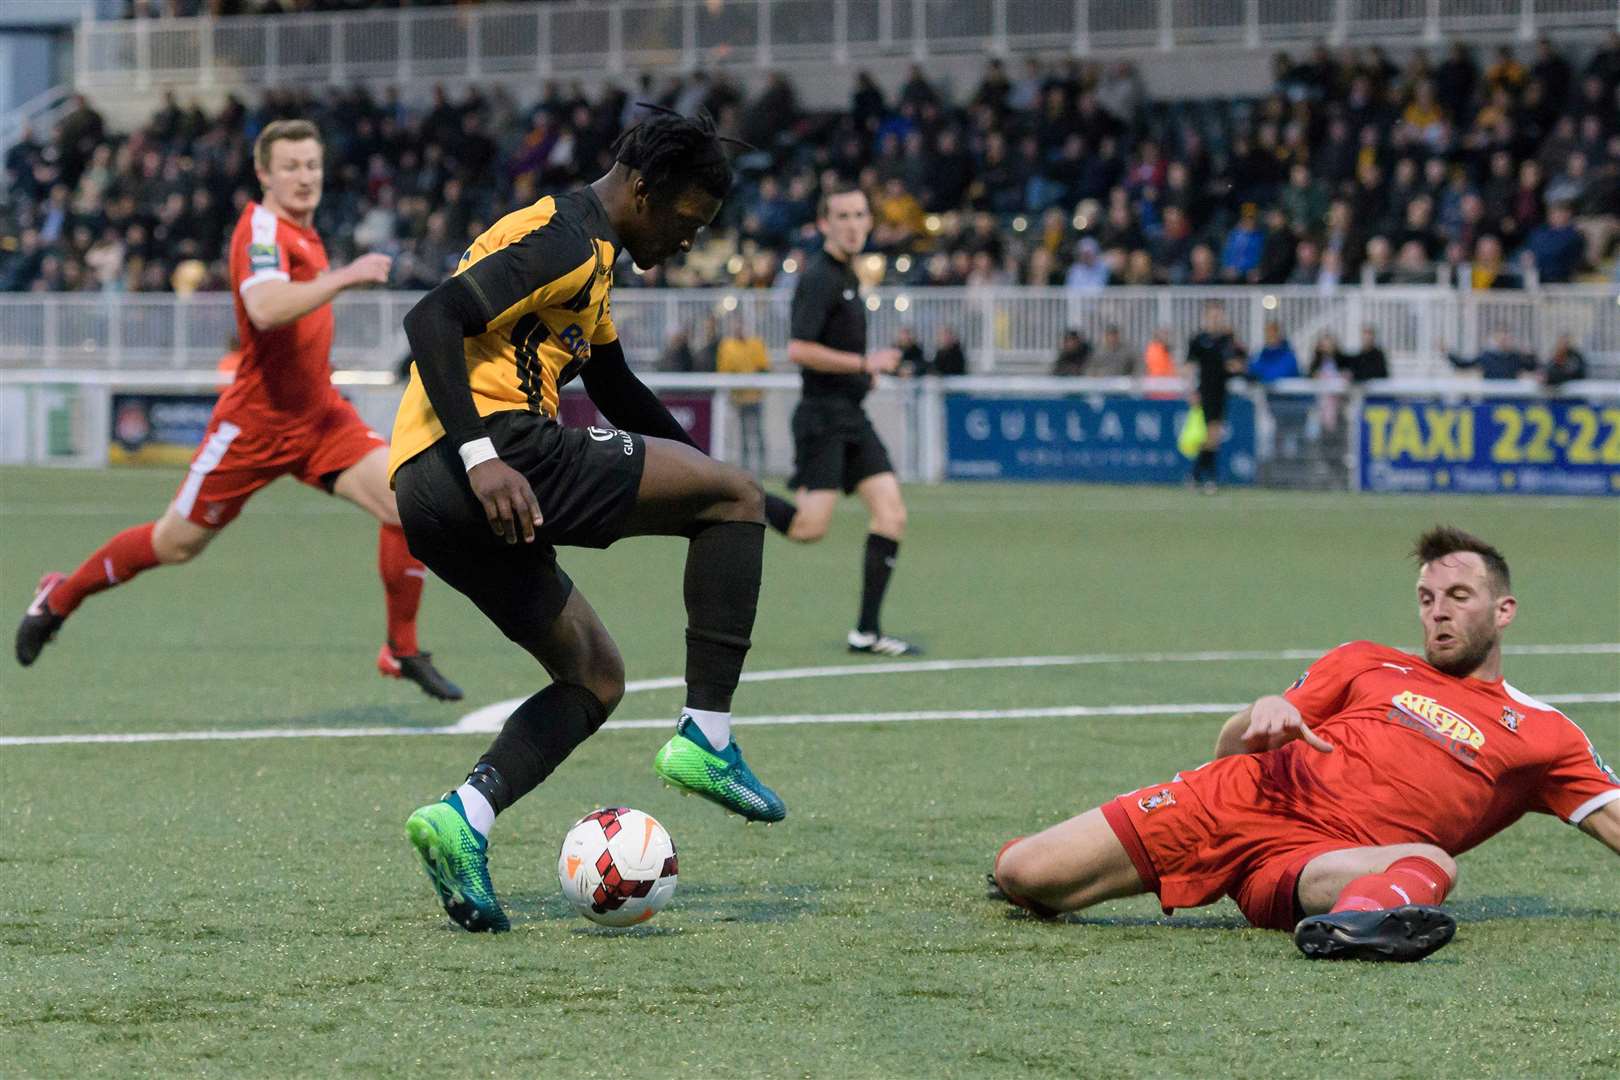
{"x":282,"y":131}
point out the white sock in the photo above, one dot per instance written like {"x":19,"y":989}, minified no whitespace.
{"x":716,"y":726}
{"x":480,"y":815}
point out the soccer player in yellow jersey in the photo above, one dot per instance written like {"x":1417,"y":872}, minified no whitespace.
{"x":489,"y":484}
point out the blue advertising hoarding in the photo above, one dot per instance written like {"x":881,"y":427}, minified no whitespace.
{"x":158,"y":428}
{"x":1091,"y":438}
{"x":1554,"y":446}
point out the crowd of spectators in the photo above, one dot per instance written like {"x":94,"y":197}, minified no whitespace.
{"x":1353,"y":169}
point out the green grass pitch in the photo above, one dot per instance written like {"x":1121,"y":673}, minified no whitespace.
{"x":250,"y":908}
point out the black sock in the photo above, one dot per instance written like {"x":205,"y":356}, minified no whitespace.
{"x":538,"y":735}
{"x":880,"y":555}
{"x":779,"y":513}
{"x":1204,"y":469}
{"x":723,"y":566}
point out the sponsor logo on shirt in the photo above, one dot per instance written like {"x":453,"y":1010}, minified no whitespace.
{"x":573,"y":339}
{"x":263,"y":256}
{"x":1426,"y":715}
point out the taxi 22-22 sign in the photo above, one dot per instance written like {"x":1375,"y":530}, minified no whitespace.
{"x":1563,"y":446}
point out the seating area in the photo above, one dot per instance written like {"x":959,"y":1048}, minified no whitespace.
{"x":1488,"y":169}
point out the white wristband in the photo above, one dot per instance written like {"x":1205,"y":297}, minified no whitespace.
{"x":477,"y":452}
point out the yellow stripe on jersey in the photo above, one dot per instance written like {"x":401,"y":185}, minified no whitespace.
{"x":542,"y":276}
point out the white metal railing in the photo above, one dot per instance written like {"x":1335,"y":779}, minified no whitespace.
{"x":473,"y":42}
{"x":40,"y":112}
{"x":1007,"y":330}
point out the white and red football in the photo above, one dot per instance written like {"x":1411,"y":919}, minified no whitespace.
{"x":617,"y":866}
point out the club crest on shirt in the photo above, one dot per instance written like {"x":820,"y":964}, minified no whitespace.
{"x":1428,"y":716}
{"x":1299,"y":682}
{"x":1162,"y":797}
{"x":1511,"y":718}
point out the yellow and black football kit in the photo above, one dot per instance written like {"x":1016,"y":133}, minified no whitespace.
{"x":492,"y":345}
{"x":540,"y":277}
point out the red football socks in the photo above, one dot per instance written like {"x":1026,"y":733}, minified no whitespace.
{"x":1412,"y":880}
{"x":114,"y":563}
{"x":402,"y":577}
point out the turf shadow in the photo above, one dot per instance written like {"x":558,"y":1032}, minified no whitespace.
{"x":1490,"y":908}
{"x":717,"y":903}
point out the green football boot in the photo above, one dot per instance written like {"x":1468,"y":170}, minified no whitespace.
{"x":689,"y":762}
{"x":457,"y":862}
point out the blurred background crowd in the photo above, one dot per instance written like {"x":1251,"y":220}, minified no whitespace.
{"x":1488,"y":170}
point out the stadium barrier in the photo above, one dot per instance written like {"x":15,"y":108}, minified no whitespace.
{"x":578,"y":38}
{"x":1423,"y":435}
{"x":1006,"y":329}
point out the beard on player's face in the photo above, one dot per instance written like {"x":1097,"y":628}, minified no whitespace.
{"x":1463,"y":647}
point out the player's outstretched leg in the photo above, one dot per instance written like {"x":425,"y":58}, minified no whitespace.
{"x":451,"y":836}
{"x":1388,"y":914}
{"x":401,"y":657}
{"x":114,"y":563}
{"x":720,"y":509}
{"x":1069,"y":866}
{"x":365,"y":483}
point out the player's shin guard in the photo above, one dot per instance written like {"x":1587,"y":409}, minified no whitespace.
{"x":1412,"y":880}
{"x":537,"y":737}
{"x":723,"y":566}
{"x":402,"y":577}
{"x":114,"y":563}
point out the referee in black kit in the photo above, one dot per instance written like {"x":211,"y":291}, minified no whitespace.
{"x":1212,"y":356}
{"x":835,"y":448}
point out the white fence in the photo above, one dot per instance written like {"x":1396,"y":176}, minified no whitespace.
{"x":617,"y":37}
{"x":1003,"y":330}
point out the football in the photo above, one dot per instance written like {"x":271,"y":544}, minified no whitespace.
{"x":617,"y":866}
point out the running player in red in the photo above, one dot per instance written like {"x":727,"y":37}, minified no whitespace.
{"x":281,"y":415}
{"x":1337,"y":808}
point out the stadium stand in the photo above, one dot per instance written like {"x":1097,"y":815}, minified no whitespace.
{"x":1504,"y":169}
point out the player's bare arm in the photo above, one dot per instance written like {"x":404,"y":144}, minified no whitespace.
{"x":1603,"y":824}
{"x":437,"y":329}
{"x":817,"y":357}
{"x":276,"y":303}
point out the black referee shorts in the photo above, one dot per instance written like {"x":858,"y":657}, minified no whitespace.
{"x":585,"y":480}
{"x":835,"y":446}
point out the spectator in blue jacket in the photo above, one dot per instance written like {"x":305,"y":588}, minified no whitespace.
{"x":1276,"y":359}
{"x":1240,"y":258}
{"x":1500,"y":360}
{"x":1557,"y":246}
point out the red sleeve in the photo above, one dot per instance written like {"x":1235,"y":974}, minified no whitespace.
{"x":1321,"y":691}
{"x":1578,"y":781}
{"x":257,"y":251}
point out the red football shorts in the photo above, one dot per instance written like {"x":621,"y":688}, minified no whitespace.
{"x":1226,"y":838}
{"x":237,"y":458}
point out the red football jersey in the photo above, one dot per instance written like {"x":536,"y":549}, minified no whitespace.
{"x":285,"y":373}
{"x":1424,"y":757}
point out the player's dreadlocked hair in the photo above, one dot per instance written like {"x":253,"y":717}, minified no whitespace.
{"x":1443,"y":540}
{"x":674,"y":152}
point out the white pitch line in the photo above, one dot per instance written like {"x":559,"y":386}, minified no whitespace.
{"x":786,"y":719}
{"x":491,"y":717}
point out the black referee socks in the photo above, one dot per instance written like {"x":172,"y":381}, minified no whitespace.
{"x":880,"y":556}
